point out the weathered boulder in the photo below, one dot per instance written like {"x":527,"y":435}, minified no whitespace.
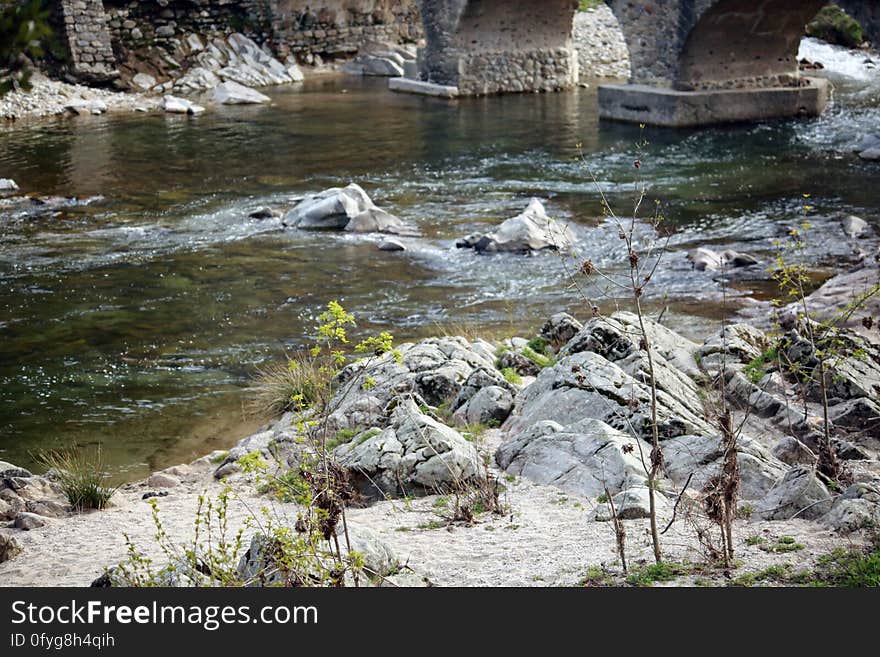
{"x":10,"y":470}
{"x":28,"y":521}
{"x":854,"y":227}
{"x":559,"y":329}
{"x":582,"y":458}
{"x":736,"y":343}
{"x":7,"y":187}
{"x":798,"y":494}
{"x":618,"y":338}
{"x":632,"y":504}
{"x":792,"y":451}
{"x":858,"y":508}
{"x":46,"y":508}
{"x":533,"y":230}
{"x":175,"y":105}
{"x":519,"y":363}
{"x":233,"y":93}
{"x":859,"y":416}
{"x":586,"y":385}
{"x":143,"y":81}
{"x":490,"y":405}
{"x":162,"y":480}
{"x":436,"y":369}
{"x":704,"y":259}
{"x":699,"y":459}
{"x":480,"y":378}
{"x":260,"y":566}
{"x":347,"y":208}
{"x":414,"y":454}
{"x":852,"y":369}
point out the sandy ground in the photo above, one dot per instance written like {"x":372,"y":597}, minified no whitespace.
{"x":546,"y":539}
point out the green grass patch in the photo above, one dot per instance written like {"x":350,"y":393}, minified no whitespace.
{"x":511,"y":376}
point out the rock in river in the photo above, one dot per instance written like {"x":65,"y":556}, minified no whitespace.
{"x":344,"y":208}
{"x":530,"y":231}
{"x":233,"y":93}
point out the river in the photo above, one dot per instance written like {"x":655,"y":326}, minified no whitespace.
{"x":137,"y":320}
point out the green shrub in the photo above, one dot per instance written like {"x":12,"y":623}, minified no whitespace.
{"x":850,"y":568}
{"x":81,"y":476}
{"x":834,"y":25}
{"x":304,"y":381}
{"x":24,"y":32}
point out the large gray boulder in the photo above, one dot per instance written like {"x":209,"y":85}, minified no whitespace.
{"x":533,"y":230}
{"x":490,"y":405}
{"x":632,"y":504}
{"x":734,"y":344}
{"x":699,"y":459}
{"x":582,"y":458}
{"x":798,"y":494}
{"x":858,"y":508}
{"x":586,"y":385}
{"x":343,"y":208}
{"x":436,"y":369}
{"x":414,"y":454}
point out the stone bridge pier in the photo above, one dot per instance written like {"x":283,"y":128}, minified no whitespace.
{"x":694,"y":62}
{"x":484,"y":47}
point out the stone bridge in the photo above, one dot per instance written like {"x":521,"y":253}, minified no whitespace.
{"x":694,"y":62}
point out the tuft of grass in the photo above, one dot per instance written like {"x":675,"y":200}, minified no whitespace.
{"x":665,"y":571}
{"x":782,"y":545}
{"x":540,"y":360}
{"x":81,"y":476}
{"x":754,"y":539}
{"x":538,"y":345}
{"x":511,"y":376}
{"x":304,"y":381}
{"x":850,"y":568}
{"x":596,"y":576}
{"x":755,"y":371}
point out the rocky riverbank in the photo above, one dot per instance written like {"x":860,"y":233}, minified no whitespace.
{"x":560,"y":418}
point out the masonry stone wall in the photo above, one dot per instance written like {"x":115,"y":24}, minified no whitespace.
{"x":335,"y":27}
{"x":494,"y":46}
{"x":88,"y":40}
{"x":305,"y":28}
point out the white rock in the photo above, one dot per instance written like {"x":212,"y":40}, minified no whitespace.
{"x":143,"y":81}
{"x":233,"y":93}
{"x":7,"y":186}
{"x":176,"y":105}
{"x":161,"y":480}
{"x":854,"y":227}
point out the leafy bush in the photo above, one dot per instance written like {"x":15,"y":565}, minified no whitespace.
{"x":834,"y":25}
{"x":81,"y":477}
{"x":24,"y":33}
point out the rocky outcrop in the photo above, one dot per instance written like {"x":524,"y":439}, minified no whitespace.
{"x":436,"y":369}
{"x":347,"y":208}
{"x":415,"y":453}
{"x":533,"y":230}
{"x":858,"y":508}
{"x":799,"y":494}
{"x":583,"y":458}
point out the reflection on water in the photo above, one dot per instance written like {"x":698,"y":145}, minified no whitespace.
{"x":135,"y":321}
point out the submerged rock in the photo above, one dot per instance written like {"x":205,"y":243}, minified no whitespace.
{"x":530,"y":231}
{"x":346,"y":208}
{"x":414,"y":454}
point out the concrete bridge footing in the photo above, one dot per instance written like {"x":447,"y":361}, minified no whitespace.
{"x":635,"y":103}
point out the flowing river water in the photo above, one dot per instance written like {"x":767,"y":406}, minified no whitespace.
{"x":137,"y":320}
